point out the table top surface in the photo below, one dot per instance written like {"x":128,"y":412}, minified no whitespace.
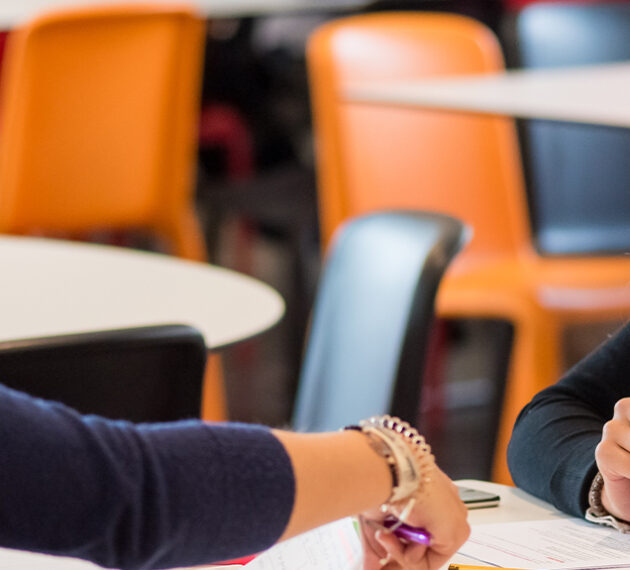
{"x":55,"y":287}
{"x":515,"y":505}
{"x":596,"y":94}
{"x":13,"y":13}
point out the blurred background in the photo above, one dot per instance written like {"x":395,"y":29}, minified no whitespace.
{"x":256,"y":195}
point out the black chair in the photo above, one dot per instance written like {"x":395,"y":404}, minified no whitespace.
{"x":144,"y":374}
{"x":372,"y":318}
{"x":577,"y":174}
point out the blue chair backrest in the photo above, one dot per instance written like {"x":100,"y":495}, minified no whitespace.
{"x":372,"y":318}
{"x":577,"y":174}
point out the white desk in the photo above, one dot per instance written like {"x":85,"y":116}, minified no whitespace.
{"x":55,"y":287}
{"x":594,"y":94}
{"x":515,"y":505}
{"x":15,"y":12}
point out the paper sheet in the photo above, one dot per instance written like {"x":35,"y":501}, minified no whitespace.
{"x":550,"y":544}
{"x":18,"y":560}
{"x":335,"y":546}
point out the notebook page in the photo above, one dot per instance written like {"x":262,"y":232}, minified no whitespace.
{"x":567,"y":543}
{"x":335,"y":546}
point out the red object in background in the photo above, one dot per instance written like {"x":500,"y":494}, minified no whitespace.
{"x":3,"y":41}
{"x":244,"y":560}
{"x":222,"y":126}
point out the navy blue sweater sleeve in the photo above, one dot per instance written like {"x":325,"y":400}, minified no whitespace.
{"x":137,"y":496}
{"x":552,"y":450}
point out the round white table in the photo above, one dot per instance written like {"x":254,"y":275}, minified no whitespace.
{"x":17,"y":12}
{"x":595,"y":94}
{"x":53,"y":287}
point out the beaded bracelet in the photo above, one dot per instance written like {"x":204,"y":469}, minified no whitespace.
{"x":408,"y":456}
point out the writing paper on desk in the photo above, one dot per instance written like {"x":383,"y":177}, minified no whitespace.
{"x":550,"y":545}
{"x":21,"y":560}
{"x":335,"y":546}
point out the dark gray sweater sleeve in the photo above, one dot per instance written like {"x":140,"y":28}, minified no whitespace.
{"x":137,"y":496}
{"x":551,"y":453}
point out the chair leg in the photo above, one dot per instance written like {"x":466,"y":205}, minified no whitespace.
{"x":214,"y":406}
{"x":186,"y":237}
{"x":535,"y":364}
{"x":432,"y":398}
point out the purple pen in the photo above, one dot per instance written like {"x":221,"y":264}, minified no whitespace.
{"x":408,"y":532}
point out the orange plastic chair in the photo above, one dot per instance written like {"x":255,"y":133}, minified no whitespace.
{"x":99,"y":112}
{"x":99,"y":123}
{"x":372,"y":156}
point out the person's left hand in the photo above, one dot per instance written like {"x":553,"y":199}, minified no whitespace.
{"x":439,"y":511}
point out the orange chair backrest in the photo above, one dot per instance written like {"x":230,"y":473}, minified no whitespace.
{"x":99,"y":118}
{"x":372,"y":156}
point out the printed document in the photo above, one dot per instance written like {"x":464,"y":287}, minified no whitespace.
{"x":550,"y":544}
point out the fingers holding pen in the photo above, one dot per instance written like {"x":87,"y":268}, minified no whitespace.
{"x":383,"y":549}
{"x":387,"y":550}
{"x":404,"y":554}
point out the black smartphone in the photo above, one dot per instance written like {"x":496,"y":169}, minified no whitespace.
{"x":476,"y":499}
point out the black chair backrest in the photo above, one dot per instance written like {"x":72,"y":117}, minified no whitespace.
{"x":372,"y":318}
{"x":577,"y":174}
{"x":143,"y":374}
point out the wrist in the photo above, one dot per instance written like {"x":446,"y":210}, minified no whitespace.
{"x":337,"y":474}
{"x":605,"y":501}
{"x":600,"y":509}
{"x":406,"y":454}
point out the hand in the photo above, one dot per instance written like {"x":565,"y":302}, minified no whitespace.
{"x":613,"y":460}
{"x":440,"y":511}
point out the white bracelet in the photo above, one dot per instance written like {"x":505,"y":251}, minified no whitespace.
{"x":407,"y":453}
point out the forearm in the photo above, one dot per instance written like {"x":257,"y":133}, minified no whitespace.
{"x":552,"y":452}
{"x":189,"y":493}
{"x":137,"y":497}
{"x":336,"y":474}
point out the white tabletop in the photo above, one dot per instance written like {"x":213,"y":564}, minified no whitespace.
{"x":15,"y":12}
{"x":595,"y":94}
{"x":515,"y":505}
{"x":55,"y":287}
